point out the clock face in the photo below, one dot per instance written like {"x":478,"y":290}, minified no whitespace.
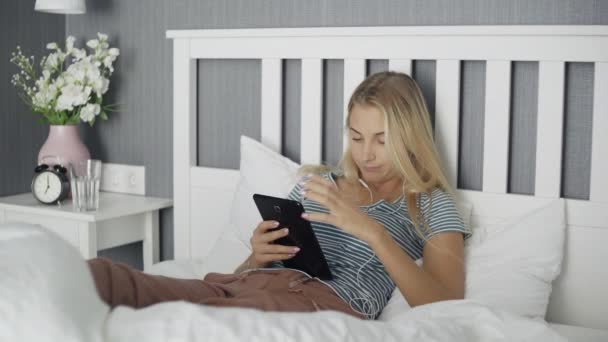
{"x":47,"y":187}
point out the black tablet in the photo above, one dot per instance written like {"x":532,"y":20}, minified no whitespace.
{"x":310,"y":258}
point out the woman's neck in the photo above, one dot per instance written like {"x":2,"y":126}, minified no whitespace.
{"x":388,"y":190}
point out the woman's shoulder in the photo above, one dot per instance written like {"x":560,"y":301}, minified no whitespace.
{"x":437,"y":196}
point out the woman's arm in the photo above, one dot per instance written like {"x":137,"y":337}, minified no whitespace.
{"x":441,"y":276}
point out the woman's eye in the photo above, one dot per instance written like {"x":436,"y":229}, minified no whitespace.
{"x":381,"y":142}
{"x":357,"y":139}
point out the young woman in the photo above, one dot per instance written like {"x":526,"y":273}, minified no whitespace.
{"x":385,"y":205}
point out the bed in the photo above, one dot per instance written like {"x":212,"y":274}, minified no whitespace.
{"x":579,"y":297}
{"x":560,"y":243}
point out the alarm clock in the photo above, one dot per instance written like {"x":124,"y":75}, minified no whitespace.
{"x":50,"y":184}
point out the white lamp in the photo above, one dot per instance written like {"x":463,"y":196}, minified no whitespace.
{"x":61,"y":6}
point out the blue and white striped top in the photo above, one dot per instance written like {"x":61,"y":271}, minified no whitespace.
{"x":345,"y":253}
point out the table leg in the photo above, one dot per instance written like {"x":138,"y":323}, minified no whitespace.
{"x":151,"y":243}
{"x":87,"y":239}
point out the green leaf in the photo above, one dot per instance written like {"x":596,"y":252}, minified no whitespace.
{"x":103,"y":116}
{"x":111,"y":107}
{"x":74,"y":119}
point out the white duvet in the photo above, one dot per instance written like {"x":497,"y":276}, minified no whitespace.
{"x":47,"y":294}
{"x":444,"y":321}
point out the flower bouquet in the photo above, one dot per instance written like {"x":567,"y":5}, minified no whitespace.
{"x":66,"y":95}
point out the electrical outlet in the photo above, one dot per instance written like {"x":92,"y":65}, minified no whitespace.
{"x":129,"y":179}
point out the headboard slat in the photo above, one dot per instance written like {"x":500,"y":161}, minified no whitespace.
{"x":311,"y":120}
{"x":401,"y":65}
{"x":599,"y":144}
{"x":447,"y":116}
{"x":354,"y":73}
{"x":496,"y":126}
{"x":551,"y":82}
{"x":272,"y":118}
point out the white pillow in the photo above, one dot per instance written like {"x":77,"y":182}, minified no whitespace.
{"x":264,"y":171}
{"x":47,"y":292}
{"x":513,"y":268}
{"x":510,"y":268}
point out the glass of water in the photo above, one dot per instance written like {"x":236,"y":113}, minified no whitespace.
{"x":85,"y":177}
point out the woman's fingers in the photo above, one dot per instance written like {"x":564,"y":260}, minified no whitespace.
{"x":278,"y":249}
{"x":271,"y":236}
{"x":319,"y":217}
{"x":263,"y":249}
{"x":275,"y":257}
{"x":265,"y":226}
{"x":324,"y":200}
{"x":267,"y":253}
{"x":317,"y":185}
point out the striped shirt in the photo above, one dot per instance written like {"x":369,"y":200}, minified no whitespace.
{"x":346,"y":254}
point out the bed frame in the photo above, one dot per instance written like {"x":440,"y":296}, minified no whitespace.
{"x":579,"y":295}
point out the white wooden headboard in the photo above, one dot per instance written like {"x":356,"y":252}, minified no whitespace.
{"x":579,"y":295}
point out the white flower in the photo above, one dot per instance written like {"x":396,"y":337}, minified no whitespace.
{"x":52,"y":46}
{"x":113,"y":52}
{"x":52,"y":61}
{"x":43,"y":97}
{"x":92,"y":72}
{"x":88,"y":112}
{"x":64,"y":102}
{"x":72,"y":95}
{"x":79,"y":54}
{"x":41,"y":82}
{"x":93,"y":43}
{"x":69,"y":44}
{"x":101,"y":85}
{"x":108,"y":62}
{"x":87,"y":92}
{"x":102,"y":36}
{"x":40,"y":99}
{"x":59,"y":82}
{"x":75,"y":73}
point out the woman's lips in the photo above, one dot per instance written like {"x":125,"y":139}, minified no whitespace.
{"x":372,"y":169}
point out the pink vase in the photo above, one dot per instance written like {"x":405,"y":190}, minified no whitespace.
{"x":63,"y":146}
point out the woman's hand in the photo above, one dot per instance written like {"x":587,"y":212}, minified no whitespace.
{"x":342,"y":214}
{"x":264,"y":251}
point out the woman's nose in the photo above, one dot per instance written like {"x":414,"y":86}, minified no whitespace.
{"x":368,"y":152}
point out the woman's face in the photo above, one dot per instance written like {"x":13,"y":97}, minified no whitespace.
{"x":366,"y":133}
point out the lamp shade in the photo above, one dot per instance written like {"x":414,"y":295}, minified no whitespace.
{"x":61,"y":6}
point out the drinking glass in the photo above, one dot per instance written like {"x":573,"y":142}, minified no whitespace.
{"x":85,"y":176}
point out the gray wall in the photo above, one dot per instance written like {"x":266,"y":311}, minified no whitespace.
{"x":21,"y":136}
{"x":141,"y":133}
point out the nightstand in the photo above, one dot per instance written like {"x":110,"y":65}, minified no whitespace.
{"x":121,"y":219}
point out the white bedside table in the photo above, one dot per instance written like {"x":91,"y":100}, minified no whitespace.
{"x":121,"y":219}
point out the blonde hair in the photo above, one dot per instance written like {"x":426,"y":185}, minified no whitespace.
{"x":408,"y":136}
